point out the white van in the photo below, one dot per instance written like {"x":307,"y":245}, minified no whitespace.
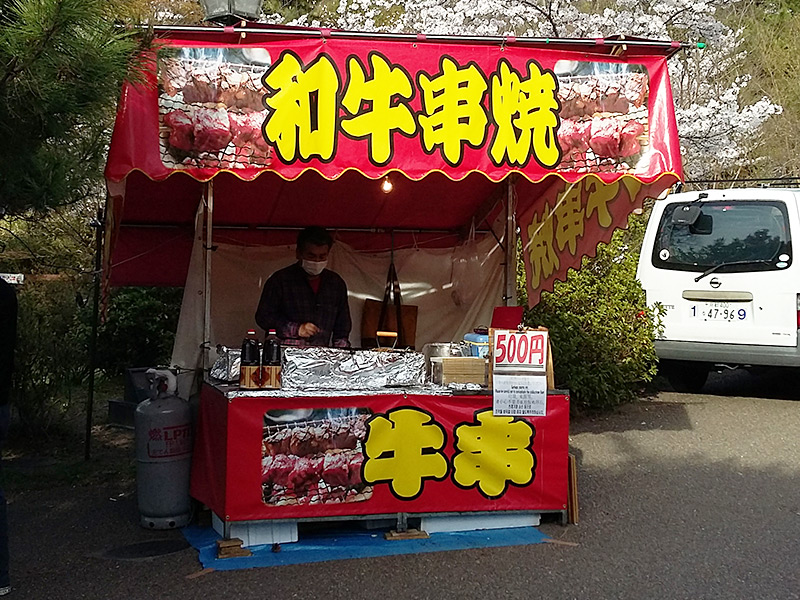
{"x":721,"y":264}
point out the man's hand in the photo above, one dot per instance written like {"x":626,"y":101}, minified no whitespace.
{"x":306,"y":330}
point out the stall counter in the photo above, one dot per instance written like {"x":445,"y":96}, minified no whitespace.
{"x":260,"y":457}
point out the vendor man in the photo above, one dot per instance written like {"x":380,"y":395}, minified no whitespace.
{"x":305,"y":303}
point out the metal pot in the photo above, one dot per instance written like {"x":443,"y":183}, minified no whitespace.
{"x":439,"y":349}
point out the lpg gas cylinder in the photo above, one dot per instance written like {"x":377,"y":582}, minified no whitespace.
{"x":163,"y":431}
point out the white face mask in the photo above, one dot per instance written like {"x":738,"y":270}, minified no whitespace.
{"x":314,"y":268}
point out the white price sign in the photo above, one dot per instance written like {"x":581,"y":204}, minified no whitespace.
{"x":15,"y":278}
{"x":520,"y":395}
{"x":519,"y":350}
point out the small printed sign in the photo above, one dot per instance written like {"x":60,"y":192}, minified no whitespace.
{"x":170,"y":442}
{"x":519,"y":350}
{"x":13,"y":278}
{"x":520,"y":396}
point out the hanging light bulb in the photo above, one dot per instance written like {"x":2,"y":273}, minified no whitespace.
{"x":386,"y":185}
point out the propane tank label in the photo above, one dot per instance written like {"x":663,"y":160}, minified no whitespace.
{"x":169,"y":442}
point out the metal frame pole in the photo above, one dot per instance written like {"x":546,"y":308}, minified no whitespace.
{"x":510,"y":276}
{"x":208,"y":248}
{"x":98,"y":258}
{"x":597,"y":44}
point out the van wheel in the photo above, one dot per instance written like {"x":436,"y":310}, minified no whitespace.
{"x":685,"y":376}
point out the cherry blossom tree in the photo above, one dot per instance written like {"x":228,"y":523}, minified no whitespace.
{"x":160,"y":12}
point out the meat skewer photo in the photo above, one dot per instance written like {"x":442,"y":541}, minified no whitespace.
{"x":314,"y":462}
{"x":213,"y":82}
{"x":212,"y":112}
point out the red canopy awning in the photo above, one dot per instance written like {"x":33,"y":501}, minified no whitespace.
{"x":300,"y":127}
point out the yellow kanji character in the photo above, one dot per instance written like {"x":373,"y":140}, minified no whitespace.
{"x":543,"y":258}
{"x":569,"y":218}
{"x":599,"y":195}
{"x":493,"y":452}
{"x":526,"y":114}
{"x":452,"y":109}
{"x":302,"y":107}
{"x":633,"y":186}
{"x":383,"y":112}
{"x":403,"y":448}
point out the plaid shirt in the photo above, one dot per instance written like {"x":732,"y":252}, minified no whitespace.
{"x":288,"y":301}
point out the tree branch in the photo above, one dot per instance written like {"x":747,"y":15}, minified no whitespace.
{"x":12,"y":70}
{"x":547,"y":14}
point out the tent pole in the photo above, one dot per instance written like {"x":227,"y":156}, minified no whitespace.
{"x":97,"y":223}
{"x":209,"y":202}
{"x":595,"y":43}
{"x":509,"y":293}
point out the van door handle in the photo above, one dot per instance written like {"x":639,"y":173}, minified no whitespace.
{"x":716,"y":296}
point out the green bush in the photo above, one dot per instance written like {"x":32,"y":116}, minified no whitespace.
{"x":601,"y":329}
{"x":55,"y":251}
{"x":140,"y":328}
{"x":51,"y":358}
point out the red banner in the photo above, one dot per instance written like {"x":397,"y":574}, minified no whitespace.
{"x":287,"y":104}
{"x":278,"y":458}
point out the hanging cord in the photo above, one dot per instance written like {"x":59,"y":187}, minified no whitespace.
{"x":392,"y":295}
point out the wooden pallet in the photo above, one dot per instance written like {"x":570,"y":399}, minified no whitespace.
{"x":408,"y":534}
{"x":231,"y":548}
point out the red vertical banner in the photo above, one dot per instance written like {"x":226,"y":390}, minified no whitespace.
{"x":569,"y":220}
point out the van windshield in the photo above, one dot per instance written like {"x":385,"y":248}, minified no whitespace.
{"x":735,"y":236}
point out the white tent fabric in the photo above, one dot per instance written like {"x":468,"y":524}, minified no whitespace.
{"x":238,"y":274}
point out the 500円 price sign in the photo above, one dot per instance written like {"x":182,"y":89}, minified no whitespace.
{"x":515,"y":351}
{"x":519,"y":366}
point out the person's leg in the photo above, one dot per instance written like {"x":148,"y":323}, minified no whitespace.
{"x":5,"y":582}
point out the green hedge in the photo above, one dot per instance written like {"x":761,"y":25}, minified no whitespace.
{"x":140,"y":328}
{"x":52,"y":358}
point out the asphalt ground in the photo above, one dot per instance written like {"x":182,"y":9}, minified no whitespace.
{"x":681,"y":496}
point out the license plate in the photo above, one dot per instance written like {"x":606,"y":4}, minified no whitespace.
{"x":729,"y":312}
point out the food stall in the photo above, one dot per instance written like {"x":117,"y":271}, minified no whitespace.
{"x":429,"y":153}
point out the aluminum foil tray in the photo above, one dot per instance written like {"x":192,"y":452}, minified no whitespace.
{"x":226,"y":367}
{"x":343,"y":369}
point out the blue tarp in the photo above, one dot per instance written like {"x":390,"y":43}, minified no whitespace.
{"x":338,"y":545}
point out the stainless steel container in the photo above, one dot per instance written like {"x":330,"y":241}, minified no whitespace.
{"x":436,"y":349}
